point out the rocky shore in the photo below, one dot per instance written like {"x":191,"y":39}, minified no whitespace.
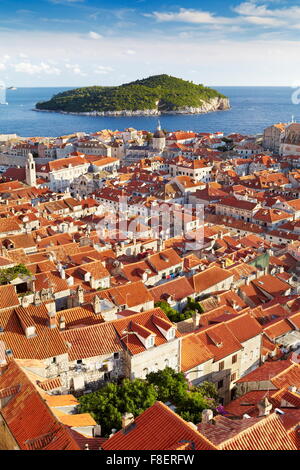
{"x":215,"y":104}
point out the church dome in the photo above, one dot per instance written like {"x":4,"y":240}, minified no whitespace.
{"x":159,"y":134}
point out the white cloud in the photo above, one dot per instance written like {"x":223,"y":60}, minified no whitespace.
{"x":93,"y":35}
{"x":32,"y":69}
{"x":187,"y":16}
{"x":276,"y":59}
{"x":247,"y":13}
{"x":130,"y":52}
{"x":75,"y":69}
{"x":264,"y":21}
{"x":23,"y":56}
{"x":252,"y":9}
{"x":2,"y":66}
{"x":103,"y":70}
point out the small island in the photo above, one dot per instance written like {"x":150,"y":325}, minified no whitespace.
{"x":156,"y":95}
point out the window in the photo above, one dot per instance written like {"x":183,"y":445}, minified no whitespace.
{"x":220,"y":384}
{"x":233,"y":377}
{"x":53,"y":360}
{"x":79,"y":361}
{"x":151,"y":341}
{"x":234,"y":359}
{"x":116,"y":355}
{"x":221,"y":365}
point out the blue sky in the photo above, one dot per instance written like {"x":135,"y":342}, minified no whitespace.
{"x":87,"y":42}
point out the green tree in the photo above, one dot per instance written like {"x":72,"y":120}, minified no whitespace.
{"x":169,"y":92}
{"x":192,"y":404}
{"x":108,"y":404}
{"x":8,"y":274}
{"x":208,"y":389}
{"x":171,"y":313}
{"x":170,"y":385}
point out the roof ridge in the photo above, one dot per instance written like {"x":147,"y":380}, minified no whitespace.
{"x":186,"y":424}
{"x":256,"y":423}
{"x":284,"y":371}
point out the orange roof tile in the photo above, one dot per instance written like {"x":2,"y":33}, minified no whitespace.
{"x":42,"y":432}
{"x":91,"y":341}
{"x":158,"y":428}
{"x":193,"y":352}
{"x":265,"y":433}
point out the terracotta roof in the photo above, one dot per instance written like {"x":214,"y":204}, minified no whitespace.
{"x":178,"y":289}
{"x":268,"y":371}
{"x":64,"y":163}
{"x":246,"y":404}
{"x":47,"y":342}
{"x":132,"y":295}
{"x":165,"y":259}
{"x":244,"y":327}
{"x":209,"y":278}
{"x":78,"y":420}
{"x":8,"y":297}
{"x":237,"y":203}
{"x":219,"y":340}
{"x":271,"y":284}
{"x":44,"y":431}
{"x":193,"y":352}
{"x":50,"y":384}
{"x":148,"y":321}
{"x":91,"y":341}
{"x":61,"y":400}
{"x":278,"y":329}
{"x":158,"y":428}
{"x":265,"y":433}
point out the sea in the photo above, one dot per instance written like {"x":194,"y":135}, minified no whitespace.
{"x":252,"y":110}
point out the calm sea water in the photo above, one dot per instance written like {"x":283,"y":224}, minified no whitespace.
{"x":253,"y":109}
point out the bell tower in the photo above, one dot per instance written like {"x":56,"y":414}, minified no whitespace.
{"x":159,"y":139}
{"x":30,"y":170}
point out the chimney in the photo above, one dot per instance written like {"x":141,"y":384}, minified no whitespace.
{"x":264,"y":407}
{"x":293,"y":389}
{"x":70,"y":281}
{"x":207,"y":416}
{"x":113,"y":432}
{"x":196,"y":320}
{"x":62,"y":323}
{"x":25,"y":301}
{"x":97,"y":305}
{"x":3,"y":361}
{"x":97,"y":431}
{"x":80,"y":294}
{"x":51,"y":314}
{"x":127,"y":419}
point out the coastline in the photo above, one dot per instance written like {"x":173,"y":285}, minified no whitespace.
{"x":219,"y":104}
